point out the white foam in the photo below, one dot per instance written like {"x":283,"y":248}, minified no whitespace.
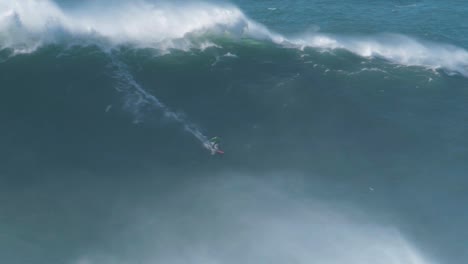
{"x":394,"y":48}
{"x":27,"y":24}
{"x":230,"y":55}
{"x":156,"y":25}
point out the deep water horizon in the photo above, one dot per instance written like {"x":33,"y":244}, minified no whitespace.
{"x":343,"y":125}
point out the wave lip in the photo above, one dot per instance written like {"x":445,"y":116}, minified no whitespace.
{"x":395,"y":48}
{"x":32,"y":23}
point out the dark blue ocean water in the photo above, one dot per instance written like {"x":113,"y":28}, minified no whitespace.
{"x":344,"y":128}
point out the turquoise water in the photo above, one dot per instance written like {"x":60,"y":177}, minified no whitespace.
{"x":430,"y":20}
{"x":343,"y":125}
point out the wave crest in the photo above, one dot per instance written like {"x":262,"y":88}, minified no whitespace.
{"x":163,"y":26}
{"x":395,"y":48}
{"x":28,"y":24}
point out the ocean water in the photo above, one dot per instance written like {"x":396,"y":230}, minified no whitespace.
{"x":344,"y":126}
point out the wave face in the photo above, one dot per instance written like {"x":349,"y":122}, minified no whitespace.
{"x":340,"y":148}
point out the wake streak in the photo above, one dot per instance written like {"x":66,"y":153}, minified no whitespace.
{"x":142,"y":98}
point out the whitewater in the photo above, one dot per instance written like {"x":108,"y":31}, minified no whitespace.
{"x":28,"y":25}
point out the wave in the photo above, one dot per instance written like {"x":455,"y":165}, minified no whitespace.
{"x":395,"y":48}
{"x":27,"y":25}
{"x":162,"y":26}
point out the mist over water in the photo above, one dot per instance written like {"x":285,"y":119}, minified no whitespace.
{"x":231,"y":218}
{"x":342,"y":146}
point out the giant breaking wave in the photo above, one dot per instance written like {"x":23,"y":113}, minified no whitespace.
{"x":29,"y":24}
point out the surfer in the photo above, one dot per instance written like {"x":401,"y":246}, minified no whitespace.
{"x":214,"y":145}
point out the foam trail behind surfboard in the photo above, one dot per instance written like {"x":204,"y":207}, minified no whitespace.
{"x":142,"y":98}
